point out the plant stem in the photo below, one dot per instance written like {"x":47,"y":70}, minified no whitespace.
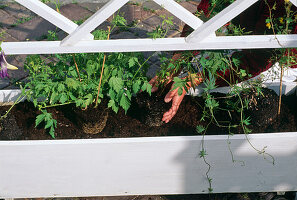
{"x":140,"y":66}
{"x":104,"y":58}
{"x":57,"y":105}
{"x":280,"y":89}
{"x":76,"y":67}
{"x":19,"y":99}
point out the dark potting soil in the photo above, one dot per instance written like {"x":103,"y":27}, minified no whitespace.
{"x":144,"y":118}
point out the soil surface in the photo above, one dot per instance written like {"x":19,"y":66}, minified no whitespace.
{"x":144,"y":120}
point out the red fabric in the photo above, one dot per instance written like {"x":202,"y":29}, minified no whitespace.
{"x":204,"y":6}
{"x":253,"y":19}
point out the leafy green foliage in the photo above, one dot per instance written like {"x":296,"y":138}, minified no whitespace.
{"x":74,"y":78}
{"x":59,"y":83}
{"x":161,"y":30}
{"x":50,"y":123}
{"x":181,"y":84}
{"x":200,"y":129}
{"x":202,"y":153}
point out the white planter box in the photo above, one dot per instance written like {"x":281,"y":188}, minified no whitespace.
{"x":139,"y":166}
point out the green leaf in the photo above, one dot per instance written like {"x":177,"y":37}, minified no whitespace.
{"x":149,"y":88}
{"x":211,"y":103}
{"x":49,"y":123}
{"x":63,"y":98}
{"x":112,"y":94}
{"x":79,"y":102}
{"x":72,"y":97}
{"x":52,"y":132}
{"x":132,"y":61}
{"x":61,"y":87}
{"x":202,"y":153}
{"x":39,"y":119}
{"x":35,"y":102}
{"x":53,"y":98}
{"x":116,"y":83}
{"x":146,"y":87}
{"x":136,"y":87}
{"x":72,"y":83}
{"x":180,"y":84}
{"x":243,"y":72}
{"x":200,"y":129}
{"x":89,"y":99}
{"x":125,"y":103}
{"x":112,"y":104}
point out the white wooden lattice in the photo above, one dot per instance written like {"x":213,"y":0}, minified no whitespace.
{"x":80,"y":40}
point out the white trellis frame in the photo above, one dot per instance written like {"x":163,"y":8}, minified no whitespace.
{"x":139,"y":166}
{"x":80,"y":40}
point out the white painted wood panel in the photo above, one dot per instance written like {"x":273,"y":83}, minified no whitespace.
{"x":165,"y":44}
{"x":220,"y":20}
{"x":9,"y":95}
{"x":139,"y":166}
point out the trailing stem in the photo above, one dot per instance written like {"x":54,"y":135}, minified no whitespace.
{"x":104,"y":58}
{"x":203,"y":156}
{"x":261,"y":152}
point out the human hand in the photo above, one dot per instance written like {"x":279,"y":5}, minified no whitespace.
{"x":153,"y":83}
{"x":176,"y":101}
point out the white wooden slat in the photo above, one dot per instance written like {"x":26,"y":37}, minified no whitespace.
{"x":52,"y":16}
{"x":94,"y":21}
{"x":166,"y":44}
{"x":294,"y":2}
{"x":140,"y":166}
{"x":180,"y":12}
{"x":219,"y":20}
{"x":10,"y":95}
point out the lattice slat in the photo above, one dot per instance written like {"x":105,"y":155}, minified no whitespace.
{"x":167,"y":44}
{"x":220,"y":20}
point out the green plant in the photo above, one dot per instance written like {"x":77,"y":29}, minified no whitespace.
{"x":161,"y":30}
{"x":211,"y":65}
{"x":148,"y":9}
{"x":2,"y":33}
{"x":2,"y":6}
{"x":74,"y":79}
{"x":21,"y":21}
